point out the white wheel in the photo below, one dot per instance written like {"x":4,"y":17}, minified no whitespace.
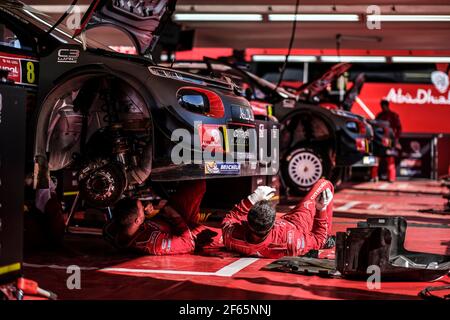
{"x":305,"y":168}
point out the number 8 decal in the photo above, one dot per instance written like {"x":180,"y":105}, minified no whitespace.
{"x":31,"y":76}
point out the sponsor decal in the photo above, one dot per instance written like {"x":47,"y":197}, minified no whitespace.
{"x":243,"y":113}
{"x":211,"y":137}
{"x":22,"y":70}
{"x":421,"y":107}
{"x":288,"y":103}
{"x":13,"y":66}
{"x":246,"y":114}
{"x":290,"y":237}
{"x":68,"y":55}
{"x":423,"y":96}
{"x":225,"y":168}
{"x":319,"y":190}
{"x":440,"y":81}
{"x":369,"y":160}
{"x":300,"y":244}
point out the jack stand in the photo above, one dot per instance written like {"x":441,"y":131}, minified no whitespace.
{"x":98,"y":216}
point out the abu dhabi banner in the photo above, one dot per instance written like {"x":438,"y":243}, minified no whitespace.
{"x":423,"y":108}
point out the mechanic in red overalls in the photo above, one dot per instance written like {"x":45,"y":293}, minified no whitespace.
{"x":252,"y":229}
{"x":172,"y":231}
{"x":394,"y":120}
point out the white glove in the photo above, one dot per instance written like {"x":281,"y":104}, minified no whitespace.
{"x":262,"y":193}
{"x":327,"y":196}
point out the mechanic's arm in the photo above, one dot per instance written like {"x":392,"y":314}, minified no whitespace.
{"x":237,"y":214}
{"x":240,"y":211}
{"x":164,"y":243}
{"x":177,"y":223}
{"x":179,"y":241}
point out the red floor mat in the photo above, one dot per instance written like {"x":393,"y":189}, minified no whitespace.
{"x":107,"y":274}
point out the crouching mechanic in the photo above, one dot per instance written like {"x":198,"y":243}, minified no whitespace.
{"x":166,"y":234}
{"x":252,"y":229}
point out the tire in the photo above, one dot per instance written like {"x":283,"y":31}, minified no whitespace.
{"x":302,"y":168}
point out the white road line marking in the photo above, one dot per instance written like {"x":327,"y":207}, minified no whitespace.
{"x":374,"y":206}
{"x":54,"y":266}
{"x":348,"y":205}
{"x":235,"y":267}
{"x":227,"y":271}
{"x":179,"y":272}
{"x":384,"y":186}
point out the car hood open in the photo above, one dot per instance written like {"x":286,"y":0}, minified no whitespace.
{"x":353,"y":92}
{"x":143,"y":20}
{"x":313,"y":88}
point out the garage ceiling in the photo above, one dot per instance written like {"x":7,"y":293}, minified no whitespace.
{"x":315,"y":35}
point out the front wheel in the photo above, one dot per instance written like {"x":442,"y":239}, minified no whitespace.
{"x":303,"y":167}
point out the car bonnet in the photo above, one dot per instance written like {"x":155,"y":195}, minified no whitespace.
{"x":143,"y":21}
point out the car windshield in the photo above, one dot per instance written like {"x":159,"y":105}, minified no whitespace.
{"x":62,"y":33}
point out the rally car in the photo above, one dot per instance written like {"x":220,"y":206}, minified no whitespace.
{"x":384,"y":143}
{"x":266,"y":123}
{"x":112,"y":118}
{"x":314,"y":142}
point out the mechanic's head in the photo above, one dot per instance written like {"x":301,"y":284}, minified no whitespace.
{"x":384,"y":105}
{"x":129,"y":213}
{"x":261,"y":218}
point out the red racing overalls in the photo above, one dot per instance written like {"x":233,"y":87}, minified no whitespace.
{"x":156,"y":236}
{"x":294,"y":234}
{"x":394,"y":121}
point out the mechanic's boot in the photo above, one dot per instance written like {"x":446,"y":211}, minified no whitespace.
{"x":330,"y":243}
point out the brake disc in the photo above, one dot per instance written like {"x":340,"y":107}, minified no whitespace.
{"x":102,"y":183}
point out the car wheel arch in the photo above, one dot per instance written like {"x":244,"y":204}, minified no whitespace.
{"x":331,"y":126}
{"x":86,"y":73}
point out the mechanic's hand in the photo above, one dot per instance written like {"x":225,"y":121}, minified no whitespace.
{"x":324,"y":200}
{"x":149,"y":211}
{"x":262,"y":193}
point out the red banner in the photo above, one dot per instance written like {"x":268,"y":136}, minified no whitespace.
{"x":423,"y":108}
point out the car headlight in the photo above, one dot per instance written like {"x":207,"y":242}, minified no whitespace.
{"x":352,"y":126}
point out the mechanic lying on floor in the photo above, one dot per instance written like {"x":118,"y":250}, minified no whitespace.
{"x":252,"y":229}
{"x":167,"y":233}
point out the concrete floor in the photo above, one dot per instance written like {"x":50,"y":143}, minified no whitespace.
{"x":106,"y":274}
